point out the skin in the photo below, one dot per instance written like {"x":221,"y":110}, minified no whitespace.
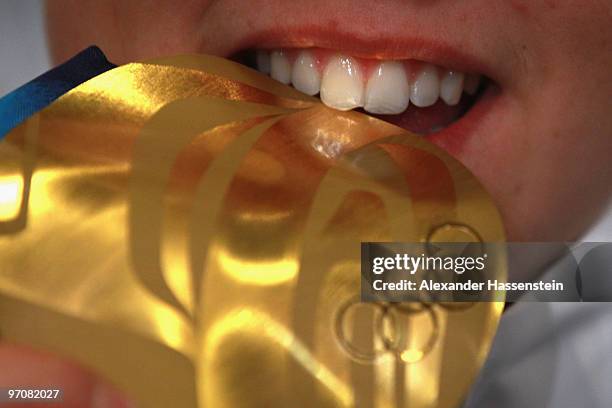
{"x":543,"y":150}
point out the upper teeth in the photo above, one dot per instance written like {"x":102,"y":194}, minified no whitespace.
{"x":425,"y":89}
{"x":451,"y":86}
{"x":305,"y":75}
{"x":342,"y":84}
{"x":388,"y":89}
{"x":280,"y":69}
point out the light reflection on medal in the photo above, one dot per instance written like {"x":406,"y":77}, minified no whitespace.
{"x":190,"y":230}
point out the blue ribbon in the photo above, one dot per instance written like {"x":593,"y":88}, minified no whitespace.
{"x":37,"y":94}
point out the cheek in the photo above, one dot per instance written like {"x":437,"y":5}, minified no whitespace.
{"x":160,"y":30}
{"x":70,"y":28}
{"x":125,"y":30}
{"x":556,"y":173}
{"x":544,"y":156}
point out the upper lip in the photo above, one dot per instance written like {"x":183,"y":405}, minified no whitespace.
{"x":453,"y":42}
{"x":379,"y":47}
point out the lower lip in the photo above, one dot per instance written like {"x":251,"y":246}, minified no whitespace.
{"x":455,"y":137}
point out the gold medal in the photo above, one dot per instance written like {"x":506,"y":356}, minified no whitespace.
{"x":190,"y":230}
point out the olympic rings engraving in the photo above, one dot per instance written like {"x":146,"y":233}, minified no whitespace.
{"x":390,"y":343}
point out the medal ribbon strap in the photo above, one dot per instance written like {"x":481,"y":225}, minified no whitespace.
{"x":23,"y":102}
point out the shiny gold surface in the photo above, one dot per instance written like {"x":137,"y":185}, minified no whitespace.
{"x":190,"y":230}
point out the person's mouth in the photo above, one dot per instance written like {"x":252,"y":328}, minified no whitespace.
{"x":450,"y":85}
{"x":419,"y":96}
